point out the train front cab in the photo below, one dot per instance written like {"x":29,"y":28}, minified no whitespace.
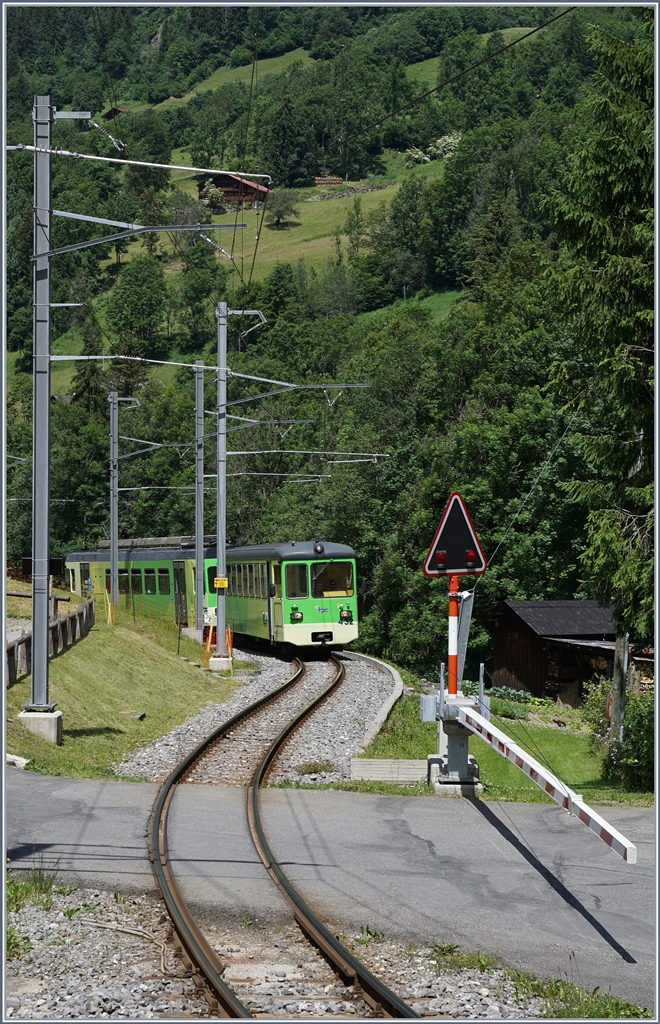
{"x":303,"y":603}
{"x":315,"y":602}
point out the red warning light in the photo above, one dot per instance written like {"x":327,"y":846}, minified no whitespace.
{"x":441,"y":559}
{"x":470,"y":559}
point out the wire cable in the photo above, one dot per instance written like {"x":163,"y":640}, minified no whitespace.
{"x":530,"y":492}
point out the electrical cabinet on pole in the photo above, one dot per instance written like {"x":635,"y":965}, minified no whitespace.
{"x":199,"y":499}
{"x":221,"y":659}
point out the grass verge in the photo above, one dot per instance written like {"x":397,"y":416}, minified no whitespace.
{"x":111,"y":670}
{"x":565,"y":999}
{"x":562,"y":998}
{"x":565,"y":750}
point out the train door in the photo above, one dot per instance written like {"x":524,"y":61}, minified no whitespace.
{"x":180,"y":604}
{"x":275,"y":602}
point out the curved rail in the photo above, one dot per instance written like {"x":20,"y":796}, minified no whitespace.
{"x":192,"y":938}
{"x":374,"y":991}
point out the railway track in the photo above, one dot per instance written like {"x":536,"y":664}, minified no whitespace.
{"x":228,"y":756}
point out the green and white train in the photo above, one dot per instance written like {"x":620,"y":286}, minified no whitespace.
{"x":301,"y":593}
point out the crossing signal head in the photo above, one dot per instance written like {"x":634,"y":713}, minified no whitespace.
{"x":441,"y":559}
{"x":470,"y":559}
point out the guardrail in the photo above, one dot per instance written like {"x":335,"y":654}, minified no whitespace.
{"x":62,"y":632}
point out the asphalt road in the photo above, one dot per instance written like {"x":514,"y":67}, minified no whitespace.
{"x":525,"y":881}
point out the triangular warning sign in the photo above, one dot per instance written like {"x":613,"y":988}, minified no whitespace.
{"x":455,"y":550}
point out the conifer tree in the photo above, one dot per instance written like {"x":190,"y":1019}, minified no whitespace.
{"x":605,"y":218}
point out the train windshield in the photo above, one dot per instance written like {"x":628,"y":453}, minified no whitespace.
{"x":332,"y":579}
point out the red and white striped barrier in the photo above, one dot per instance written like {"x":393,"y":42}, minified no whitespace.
{"x":549,"y":783}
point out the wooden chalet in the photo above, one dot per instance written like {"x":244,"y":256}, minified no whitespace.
{"x":551,"y":648}
{"x":237,"y":189}
{"x":114,"y":112}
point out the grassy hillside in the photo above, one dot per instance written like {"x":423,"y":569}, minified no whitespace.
{"x":269,"y":66}
{"x":110,"y":671}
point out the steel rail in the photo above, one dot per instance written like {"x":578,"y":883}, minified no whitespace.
{"x":378,"y":995}
{"x":192,"y":938}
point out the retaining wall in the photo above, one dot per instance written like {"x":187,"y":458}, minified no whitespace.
{"x":62,"y":632}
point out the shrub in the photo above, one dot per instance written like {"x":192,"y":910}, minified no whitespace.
{"x":508,"y":709}
{"x":629,"y":760}
{"x":471,"y":689}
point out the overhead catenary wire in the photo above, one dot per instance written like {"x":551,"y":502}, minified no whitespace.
{"x":530,"y":739}
{"x":122,"y":160}
{"x":455,"y":78}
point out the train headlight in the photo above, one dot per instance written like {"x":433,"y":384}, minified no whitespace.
{"x":296,"y":615}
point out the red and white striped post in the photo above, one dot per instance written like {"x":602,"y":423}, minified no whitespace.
{"x":452,"y":647}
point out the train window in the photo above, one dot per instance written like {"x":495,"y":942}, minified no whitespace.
{"x":332,"y":579}
{"x":123,"y":581}
{"x":164,"y":581}
{"x":85,"y":579}
{"x":107,"y":580}
{"x":210,"y":577}
{"x":263,"y":580}
{"x":277,"y":580}
{"x":150,"y":581}
{"x":296,"y":580}
{"x":242,"y":581}
{"x":250,"y":574}
{"x":136,"y":581}
{"x":72,"y":578}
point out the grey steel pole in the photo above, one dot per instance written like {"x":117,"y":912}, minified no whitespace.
{"x":221,"y":519}
{"x":199,"y":497}
{"x":113,"y":398}
{"x":43,"y":120}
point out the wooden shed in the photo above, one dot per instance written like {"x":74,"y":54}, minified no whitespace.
{"x":552,"y":647}
{"x":237,"y":189}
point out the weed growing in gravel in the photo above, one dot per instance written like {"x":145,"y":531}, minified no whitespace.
{"x":565,"y":999}
{"x":246,"y":922}
{"x":314,"y":767}
{"x":367,"y":934}
{"x":450,"y":957}
{"x":120,"y":897}
{"x":37,"y":886}
{"x":17,"y":944}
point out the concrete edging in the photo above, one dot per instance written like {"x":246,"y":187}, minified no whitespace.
{"x":388,"y":704}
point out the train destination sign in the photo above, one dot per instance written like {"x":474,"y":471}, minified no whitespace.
{"x":455,"y":549}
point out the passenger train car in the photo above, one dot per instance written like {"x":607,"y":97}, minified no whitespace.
{"x":302,"y":593}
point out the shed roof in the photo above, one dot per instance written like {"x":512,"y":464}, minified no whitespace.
{"x":238,"y":181}
{"x":577,"y":619}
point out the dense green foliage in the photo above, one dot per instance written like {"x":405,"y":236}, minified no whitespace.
{"x":628,"y":759}
{"x":533,"y":397}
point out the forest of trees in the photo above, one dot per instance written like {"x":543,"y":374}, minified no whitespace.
{"x":542,"y":217}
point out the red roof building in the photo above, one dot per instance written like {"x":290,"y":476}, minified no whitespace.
{"x":236,"y":189}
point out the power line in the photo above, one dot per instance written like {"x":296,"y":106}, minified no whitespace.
{"x":531,"y":490}
{"x":119,"y":160}
{"x":455,"y":78}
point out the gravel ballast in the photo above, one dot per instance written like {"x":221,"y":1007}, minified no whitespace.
{"x":82,"y":965}
{"x":330,"y":737}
